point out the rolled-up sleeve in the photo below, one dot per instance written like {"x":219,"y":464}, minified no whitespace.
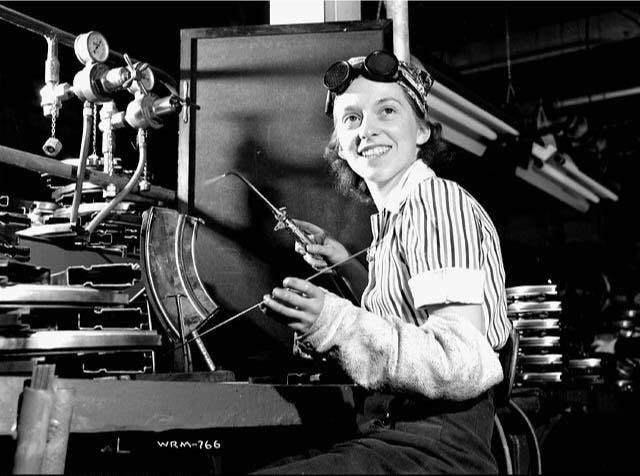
{"x":445,"y":252}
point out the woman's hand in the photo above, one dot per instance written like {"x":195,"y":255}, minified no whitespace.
{"x":300,"y":303}
{"x":324,"y":248}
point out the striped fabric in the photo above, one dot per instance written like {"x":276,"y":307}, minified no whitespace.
{"x":434,"y":244}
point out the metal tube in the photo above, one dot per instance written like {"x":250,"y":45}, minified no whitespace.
{"x":596,"y":97}
{"x":87,"y":123}
{"x":37,"y":163}
{"x":133,"y":182}
{"x":398,"y":11}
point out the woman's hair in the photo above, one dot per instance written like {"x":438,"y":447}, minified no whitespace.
{"x":434,"y":151}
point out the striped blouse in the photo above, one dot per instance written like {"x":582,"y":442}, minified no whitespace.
{"x":434,"y":244}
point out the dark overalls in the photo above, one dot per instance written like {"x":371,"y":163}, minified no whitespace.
{"x":418,"y":436}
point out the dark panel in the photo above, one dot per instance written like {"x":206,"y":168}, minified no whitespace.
{"x":262,"y":113}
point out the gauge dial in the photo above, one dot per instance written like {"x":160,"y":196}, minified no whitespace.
{"x":145,"y":75}
{"x":91,"y":47}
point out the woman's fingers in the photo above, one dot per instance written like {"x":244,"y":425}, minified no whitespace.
{"x":285,"y":309}
{"x":315,"y":261}
{"x":303,"y":287}
{"x":315,"y":233}
{"x":308,"y":227}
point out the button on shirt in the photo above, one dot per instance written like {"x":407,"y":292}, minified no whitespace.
{"x":434,"y":244}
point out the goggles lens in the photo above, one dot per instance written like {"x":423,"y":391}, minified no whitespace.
{"x":337,"y":74}
{"x":378,"y":66}
{"x":381,"y":66}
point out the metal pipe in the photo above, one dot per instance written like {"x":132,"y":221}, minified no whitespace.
{"x":133,"y":182}
{"x":596,"y":97}
{"x":37,"y":163}
{"x":524,"y":59}
{"x":87,"y":123}
{"x":64,"y":37}
{"x":398,"y":11}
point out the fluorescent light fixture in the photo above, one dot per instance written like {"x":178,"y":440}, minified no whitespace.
{"x":463,"y":141}
{"x":567,"y":182}
{"x":536,"y":178}
{"x":543,"y":153}
{"x":545,"y":168}
{"x":572,"y":169}
{"x":440,"y":107}
{"x":464,"y":123}
{"x":464,"y":106}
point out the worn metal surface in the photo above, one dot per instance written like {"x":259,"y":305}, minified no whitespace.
{"x":40,"y":294}
{"x":73,"y":341}
{"x":103,"y":406}
{"x":170,"y":272}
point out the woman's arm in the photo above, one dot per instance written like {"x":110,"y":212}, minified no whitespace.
{"x":447,"y":357}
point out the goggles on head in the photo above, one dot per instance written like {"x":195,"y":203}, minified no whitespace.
{"x":380,"y":66}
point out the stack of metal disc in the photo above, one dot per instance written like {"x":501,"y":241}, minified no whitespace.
{"x":536,"y":312}
{"x":625,"y":324}
{"x":589,"y":370}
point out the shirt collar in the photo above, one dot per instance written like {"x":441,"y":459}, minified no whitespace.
{"x":415,"y":174}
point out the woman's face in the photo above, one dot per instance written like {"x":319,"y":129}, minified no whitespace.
{"x":377,"y":130}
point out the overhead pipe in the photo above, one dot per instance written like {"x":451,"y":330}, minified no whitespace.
{"x":596,"y":97}
{"x":398,"y":11}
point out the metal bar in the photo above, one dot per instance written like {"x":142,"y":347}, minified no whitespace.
{"x":31,"y":294}
{"x":38,"y":27}
{"x":40,"y":164}
{"x":398,"y":10}
{"x":61,"y":341}
{"x":596,"y":97}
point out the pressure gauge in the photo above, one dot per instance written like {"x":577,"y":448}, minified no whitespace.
{"x":91,"y":47}
{"x":145,"y":75}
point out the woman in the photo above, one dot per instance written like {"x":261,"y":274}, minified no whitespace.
{"x":434,"y":308}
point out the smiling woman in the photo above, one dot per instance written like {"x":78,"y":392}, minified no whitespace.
{"x":434,"y":309}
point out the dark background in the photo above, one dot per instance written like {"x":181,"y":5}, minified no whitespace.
{"x":542,"y":238}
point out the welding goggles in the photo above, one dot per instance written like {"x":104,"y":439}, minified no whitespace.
{"x":380,"y":66}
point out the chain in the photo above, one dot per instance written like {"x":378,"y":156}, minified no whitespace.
{"x":510,"y":90}
{"x":54,"y":116}
{"x":110,"y":154}
{"x":95,"y":128}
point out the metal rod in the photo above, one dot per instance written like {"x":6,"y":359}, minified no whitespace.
{"x":596,"y":97}
{"x":40,"y":164}
{"x":203,"y":350}
{"x":274,"y":209}
{"x":399,"y":13}
{"x":38,"y":27}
